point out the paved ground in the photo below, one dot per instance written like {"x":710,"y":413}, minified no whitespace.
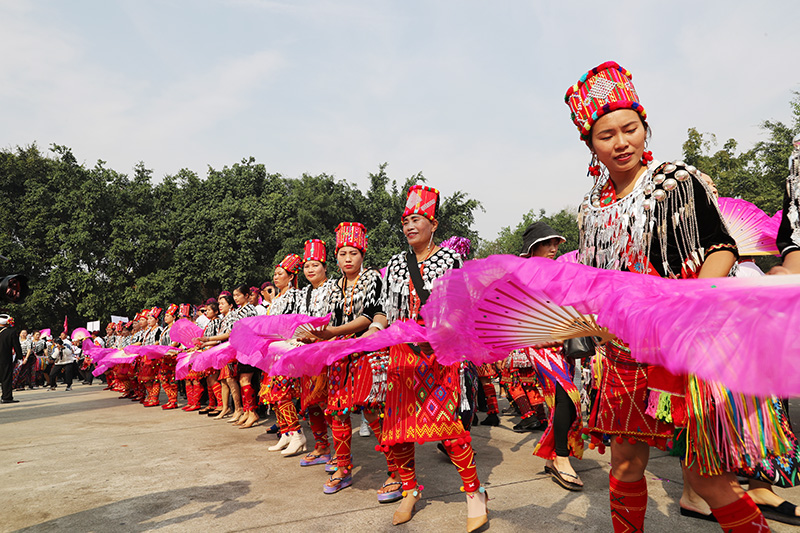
{"x":87,"y":461}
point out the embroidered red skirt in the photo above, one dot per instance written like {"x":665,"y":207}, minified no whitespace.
{"x":314,"y":390}
{"x":421,"y":398}
{"x":279,"y":389}
{"x":148,"y":369}
{"x":349,"y":383}
{"x":622,"y":401}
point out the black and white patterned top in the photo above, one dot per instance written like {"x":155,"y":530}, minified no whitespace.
{"x":212,"y":328}
{"x":285,"y":304}
{"x":165,"y":338}
{"x":152,"y":336}
{"x":247,"y":310}
{"x":39,"y":347}
{"x":396,"y":290}
{"x":316,"y":302}
{"x":788,"y":239}
{"x":360,"y":299}
{"x":227,"y":322}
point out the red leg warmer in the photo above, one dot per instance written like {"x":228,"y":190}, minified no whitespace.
{"x":403,"y":456}
{"x":319,"y":427}
{"x":463,"y":458}
{"x":741,"y":516}
{"x":628,"y":504}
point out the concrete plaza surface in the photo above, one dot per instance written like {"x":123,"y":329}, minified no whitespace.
{"x":87,"y":461}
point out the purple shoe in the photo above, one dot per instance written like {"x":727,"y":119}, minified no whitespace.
{"x":330,"y":467}
{"x":317,"y":459}
{"x":393,"y":496}
{"x":344,"y":482}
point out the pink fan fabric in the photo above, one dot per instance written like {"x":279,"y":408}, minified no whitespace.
{"x":214,"y":357}
{"x":45,"y":332}
{"x":150,"y":351}
{"x":252,"y":336}
{"x":569,"y":257}
{"x":184,"y":331}
{"x":80,"y":333}
{"x":182,"y":366}
{"x":310,"y":359}
{"x":105,"y":358}
{"x":753,"y":230}
{"x":738,"y":331}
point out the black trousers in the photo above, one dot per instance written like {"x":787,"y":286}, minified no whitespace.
{"x":7,"y":377}
{"x":57,"y":369}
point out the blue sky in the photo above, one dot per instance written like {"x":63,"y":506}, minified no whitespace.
{"x":470,"y":93}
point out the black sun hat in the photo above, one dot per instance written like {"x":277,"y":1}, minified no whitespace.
{"x":536,"y":233}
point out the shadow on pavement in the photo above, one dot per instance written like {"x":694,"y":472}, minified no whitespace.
{"x":148,"y":512}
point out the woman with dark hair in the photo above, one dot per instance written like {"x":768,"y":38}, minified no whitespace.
{"x":219,"y":381}
{"x":562,"y":437}
{"x":194,"y":387}
{"x":657,"y":219}
{"x":166,"y":372}
{"x":149,"y":368}
{"x":279,"y":391}
{"x":355,"y":304}
{"x":422,"y":399}
{"x":240,"y":387}
{"x":314,"y":300}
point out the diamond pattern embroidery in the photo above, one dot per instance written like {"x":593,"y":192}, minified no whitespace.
{"x":601,"y":89}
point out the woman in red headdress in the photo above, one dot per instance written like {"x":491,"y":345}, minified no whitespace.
{"x":422,"y":399}
{"x":194,"y":379}
{"x":280,"y":391}
{"x":166,"y":372}
{"x":657,"y":219}
{"x":355,"y":306}
{"x":149,"y":368}
{"x":314,"y":300}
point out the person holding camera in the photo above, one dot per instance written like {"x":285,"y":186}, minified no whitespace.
{"x":63,"y":361}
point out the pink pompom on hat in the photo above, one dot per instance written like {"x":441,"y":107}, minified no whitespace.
{"x":291,"y":263}
{"x":314,"y":250}
{"x":422,"y":200}
{"x":603,"y":89}
{"x":351,"y":234}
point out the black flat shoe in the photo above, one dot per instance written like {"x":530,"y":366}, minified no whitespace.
{"x":203,"y":411}
{"x":491,"y":420}
{"x":529,"y":424}
{"x":695,"y":514}
{"x":786,"y":512}
{"x":213,"y":413}
{"x":9,"y":401}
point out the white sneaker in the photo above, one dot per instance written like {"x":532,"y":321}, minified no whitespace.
{"x":282,"y":443}
{"x":364,"y":430}
{"x":69,"y":387}
{"x":297,"y":444}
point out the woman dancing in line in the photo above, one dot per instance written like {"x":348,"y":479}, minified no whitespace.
{"x":656,"y":219}
{"x":314,"y":300}
{"x":562,"y":437}
{"x":166,"y":371}
{"x":280,"y":391}
{"x":194,"y":379}
{"x":355,"y":307}
{"x":422,"y":399}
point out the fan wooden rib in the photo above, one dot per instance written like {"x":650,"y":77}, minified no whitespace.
{"x":515,"y":317}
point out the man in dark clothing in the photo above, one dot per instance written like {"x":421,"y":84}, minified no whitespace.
{"x":9,"y":346}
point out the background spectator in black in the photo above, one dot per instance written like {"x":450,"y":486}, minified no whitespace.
{"x":10,"y":352}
